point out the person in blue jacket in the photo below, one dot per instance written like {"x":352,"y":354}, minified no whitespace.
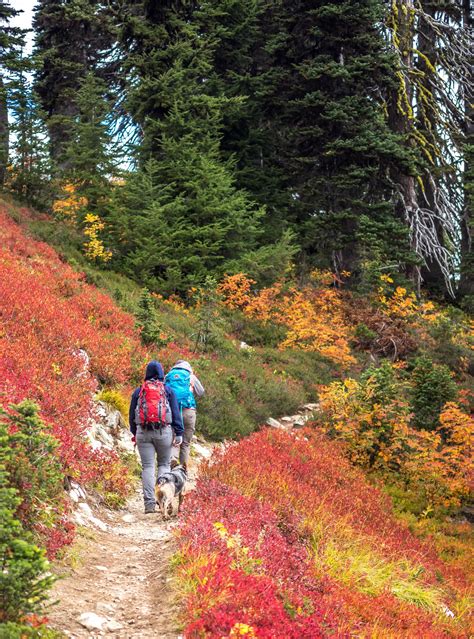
{"x":155,"y":441}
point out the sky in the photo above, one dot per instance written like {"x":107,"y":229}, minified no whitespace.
{"x":24,"y":19}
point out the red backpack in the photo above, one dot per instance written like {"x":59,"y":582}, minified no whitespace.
{"x":152,"y":405}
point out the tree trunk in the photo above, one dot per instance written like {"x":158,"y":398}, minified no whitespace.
{"x":4,"y":133}
{"x":400,"y":116}
{"x":431,"y":272}
{"x":466,"y":284}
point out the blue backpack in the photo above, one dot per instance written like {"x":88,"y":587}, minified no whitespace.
{"x":179,"y":380}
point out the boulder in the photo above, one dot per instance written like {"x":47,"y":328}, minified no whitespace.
{"x":91,"y":621}
{"x":273,"y":423}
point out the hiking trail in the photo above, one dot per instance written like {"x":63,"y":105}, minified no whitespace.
{"x":118,"y":581}
{"x":121,"y":584}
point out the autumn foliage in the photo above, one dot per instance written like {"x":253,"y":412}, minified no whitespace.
{"x":313,"y":315}
{"x":284,"y":538}
{"x":376,"y":421}
{"x":58,"y":336}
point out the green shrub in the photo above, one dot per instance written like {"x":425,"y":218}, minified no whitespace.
{"x":380,"y":383}
{"x":21,"y":631}
{"x":432,"y":386}
{"x":364,"y":336}
{"x":307,"y":368}
{"x":33,"y":468}
{"x":254,"y":332}
{"x":449,"y":349}
{"x":148,"y":322}
{"x":220,"y":416}
{"x":24,"y":583}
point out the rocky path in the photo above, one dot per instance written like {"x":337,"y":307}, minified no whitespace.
{"x":121,"y":584}
{"x":118,"y":580}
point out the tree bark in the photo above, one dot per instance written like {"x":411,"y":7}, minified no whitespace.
{"x":466,"y":283}
{"x":400,"y":115}
{"x":431,"y":272}
{"x":4,"y":133}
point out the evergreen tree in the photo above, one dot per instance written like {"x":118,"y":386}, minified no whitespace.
{"x":427,"y":107}
{"x":466,"y":284}
{"x":72,"y":40}
{"x":197,"y":219}
{"x":332,"y":69}
{"x":24,"y":581}
{"x":242,"y":69}
{"x":148,"y":321}
{"x":90,"y":165}
{"x":11,"y":41}
{"x":31,"y":171}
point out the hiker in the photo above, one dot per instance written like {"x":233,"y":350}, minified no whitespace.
{"x":185,"y":384}
{"x":155,"y":424}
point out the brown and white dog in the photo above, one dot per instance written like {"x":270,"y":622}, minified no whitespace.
{"x":168,"y":487}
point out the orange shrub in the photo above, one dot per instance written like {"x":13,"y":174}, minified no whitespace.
{"x":379,"y":436}
{"x":313,"y":315}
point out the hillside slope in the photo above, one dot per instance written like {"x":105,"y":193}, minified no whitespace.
{"x":280,"y":517}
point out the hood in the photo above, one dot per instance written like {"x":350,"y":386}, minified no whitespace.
{"x":154,"y":370}
{"x":181,"y":363}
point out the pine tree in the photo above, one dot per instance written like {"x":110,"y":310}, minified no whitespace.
{"x":197,"y":220}
{"x":427,"y":106}
{"x":11,"y":41}
{"x":332,"y":69}
{"x":242,"y":70}
{"x":31,"y":170}
{"x":90,"y":165}
{"x":71,"y":40}
{"x":466,"y":283}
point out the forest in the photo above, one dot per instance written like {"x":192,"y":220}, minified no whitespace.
{"x":332,"y":135}
{"x":281,"y":193}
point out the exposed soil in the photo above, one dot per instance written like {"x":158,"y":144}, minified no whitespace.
{"x":123,"y":575}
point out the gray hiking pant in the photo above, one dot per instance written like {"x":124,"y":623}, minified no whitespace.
{"x":154,"y":445}
{"x":189,"y":423}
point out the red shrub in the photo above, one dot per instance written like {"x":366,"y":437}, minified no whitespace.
{"x":58,"y":335}
{"x":249,"y":531}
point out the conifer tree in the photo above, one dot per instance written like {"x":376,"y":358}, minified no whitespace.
{"x":71,"y":40}
{"x":31,"y":169}
{"x":427,"y":106}
{"x":90,"y":165}
{"x":11,"y":41}
{"x":242,"y":70}
{"x":332,"y":70}
{"x":197,"y":219}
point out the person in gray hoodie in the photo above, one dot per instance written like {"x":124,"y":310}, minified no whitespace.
{"x":182,"y":380}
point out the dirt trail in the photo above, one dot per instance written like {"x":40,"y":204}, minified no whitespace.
{"x":122,"y":575}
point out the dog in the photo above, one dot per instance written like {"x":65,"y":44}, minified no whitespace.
{"x":168,"y":487}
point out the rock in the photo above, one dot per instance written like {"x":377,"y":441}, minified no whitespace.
{"x":299,"y":424}
{"x":273,"y":423}
{"x":79,"y":489}
{"x":286,"y":419}
{"x":101,"y":606}
{"x":113,"y":625}
{"x":101,"y":568}
{"x":129,"y":518}
{"x":91,"y":621}
{"x":74,"y":495}
{"x":86,"y":515}
{"x":311,"y":407}
{"x":245,"y":347}
{"x":201,"y":450}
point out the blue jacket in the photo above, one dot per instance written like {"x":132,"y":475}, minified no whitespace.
{"x":154,"y":370}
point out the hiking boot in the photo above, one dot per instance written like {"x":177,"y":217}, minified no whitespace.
{"x":150,"y":509}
